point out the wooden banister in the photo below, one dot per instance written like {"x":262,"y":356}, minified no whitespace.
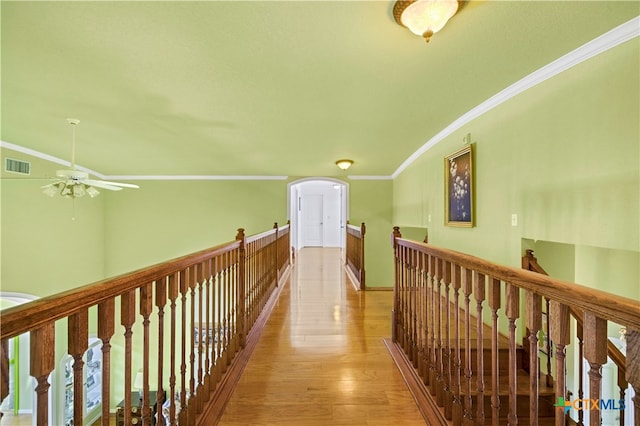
{"x":214,"y":297}
{"x":484,"y":373}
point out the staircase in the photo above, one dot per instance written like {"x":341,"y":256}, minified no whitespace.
{"x":465,"y":337}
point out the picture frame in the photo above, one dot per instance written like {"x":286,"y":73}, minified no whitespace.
{"x":459,"y":188}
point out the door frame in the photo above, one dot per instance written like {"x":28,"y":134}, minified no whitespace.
{"x":292,"y":208}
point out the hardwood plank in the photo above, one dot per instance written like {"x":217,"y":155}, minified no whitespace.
{"x":321,"y":358}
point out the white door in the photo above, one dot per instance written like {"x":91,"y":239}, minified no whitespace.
{"x":312,"y":209}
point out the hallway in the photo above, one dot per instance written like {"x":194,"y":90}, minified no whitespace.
{"x":321,"y":359}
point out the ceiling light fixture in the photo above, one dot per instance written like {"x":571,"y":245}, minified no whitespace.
{"x":344,"y":164}
{"x":424,"y":17}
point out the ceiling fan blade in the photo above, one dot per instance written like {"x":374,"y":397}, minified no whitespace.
{"x":123,"y":185}
{"x":101,"y":184}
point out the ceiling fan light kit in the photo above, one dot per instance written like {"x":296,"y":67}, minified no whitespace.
{"x":424,"y":17}
{"x":74,"y":183}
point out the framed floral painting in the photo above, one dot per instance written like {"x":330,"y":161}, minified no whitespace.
{"x":459,"y":199}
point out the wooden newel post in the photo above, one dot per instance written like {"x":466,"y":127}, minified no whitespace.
{"x":42,"y":360}
{"x":241,"y":287}
{"x":394,"y":320}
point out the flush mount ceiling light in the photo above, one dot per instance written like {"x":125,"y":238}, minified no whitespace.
{"x":424,"y":17}
{"x":344,"y":164}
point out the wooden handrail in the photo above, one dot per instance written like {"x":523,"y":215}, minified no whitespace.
{"x":61,"y":305}
{"x":614,"y":308}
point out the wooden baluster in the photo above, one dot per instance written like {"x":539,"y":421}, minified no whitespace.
{"x":161,"y":301}
{"x":432,"y":319}
{"x":106,"y":329}
{"x":479,"y":293}
{"x":456,"y":412}
{"x":467,"y":285}
{"x":413,"y":354}
{"x":209,"y":327}
{"x":219,"y":333}
{"x":438,"y":322}
{"x":192,"y":404}
{"x":4,"y":371}
{"x":146,"y":306}
{"x":494,"y":305}
{"x":427,"y":324}
{"x":534,"y":322}
{"x":559,"y":329}
{"x":42,"y":362}
{"x":127,"y":319}
{"x":402,"y":311}
{"x":633,"y":370}
{"x":547,"y":345}
{"x":173,"y":296}
{"x":580,"y":337}
{"x":420,"y":297}
{"x":78,"y":331}
{"x":225,"y":313}
{"x":595,"y":352}
{"x":448,"y":396}
{"x":512,"y":294}
{"x":182,"y":416}
{"x":204,"y":332}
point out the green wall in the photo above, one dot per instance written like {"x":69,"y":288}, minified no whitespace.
{"x":166,"y":219}
{"x":563,"y":156}
{"x":370,"y":202}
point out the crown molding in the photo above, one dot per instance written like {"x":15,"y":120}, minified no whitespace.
{"x":195,"y":177}
{"x":608,"y":40}
{"x":364,"y":177}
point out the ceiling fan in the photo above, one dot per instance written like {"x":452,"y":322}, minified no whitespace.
{"x":74,"y":183}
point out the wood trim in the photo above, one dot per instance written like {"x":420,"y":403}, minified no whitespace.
{"x":425,"y":402}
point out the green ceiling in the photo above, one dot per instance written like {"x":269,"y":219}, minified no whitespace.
{"x":268,"y":87}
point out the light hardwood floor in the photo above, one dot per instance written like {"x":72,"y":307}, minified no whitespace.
{"x":321,"y":359}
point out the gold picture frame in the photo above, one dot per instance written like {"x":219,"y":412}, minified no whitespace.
{"x":459,"y":188}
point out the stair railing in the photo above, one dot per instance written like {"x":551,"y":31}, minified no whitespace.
{"x":355,"y":254}
{"x":211,"y":298}
{"x":530,"y":262}
{"x":470,"y":370}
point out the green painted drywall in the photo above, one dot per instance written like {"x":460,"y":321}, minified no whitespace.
{"x":370,"y":202}
{"x":44,"y":251}
{"x":563,"y":156}
{"x":163,"y":220}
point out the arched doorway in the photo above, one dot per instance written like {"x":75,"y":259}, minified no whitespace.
{"x":318,"y":211}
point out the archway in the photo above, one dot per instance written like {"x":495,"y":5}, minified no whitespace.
{"x":318,"y":209}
